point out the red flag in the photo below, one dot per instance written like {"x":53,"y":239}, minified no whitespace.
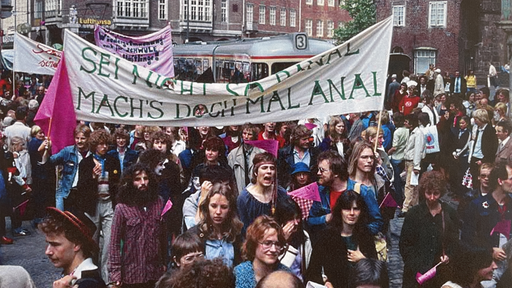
{"x":309,"y":192}
{"x":56,"y":115}
{"x":502,"y":227}
{"x":271,"y":146}
{"x":388,"y":201}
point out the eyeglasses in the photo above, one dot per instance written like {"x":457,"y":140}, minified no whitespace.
{"x":268,"y":244}
{"x":322,"y":170}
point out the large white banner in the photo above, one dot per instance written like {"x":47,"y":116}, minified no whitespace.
{"x":33,"y":57}
{"x":348,"y":78}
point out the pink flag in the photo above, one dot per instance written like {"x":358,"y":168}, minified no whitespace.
{"x":388,"y":201}
{"x":56,"y":115}
{"x":167,"y":207}
{"x":309,"y":192}
{"x":502,"y":227}
{"x":310,"y":126}
{"x":271,"y":146}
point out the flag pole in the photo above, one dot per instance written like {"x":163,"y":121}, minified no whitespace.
{"x":379,"y":124}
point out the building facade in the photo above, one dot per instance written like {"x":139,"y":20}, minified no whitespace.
{"x":453,"y":35}
{"x":190,"y":20}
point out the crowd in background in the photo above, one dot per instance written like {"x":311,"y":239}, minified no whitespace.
{"x":231,"y":203}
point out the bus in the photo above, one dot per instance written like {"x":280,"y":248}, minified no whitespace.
{"x":245,"y":60}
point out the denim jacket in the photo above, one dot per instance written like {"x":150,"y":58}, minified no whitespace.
{"x":68,"y":158}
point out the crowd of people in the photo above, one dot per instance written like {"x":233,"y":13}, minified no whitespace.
{"x":149,"y":206}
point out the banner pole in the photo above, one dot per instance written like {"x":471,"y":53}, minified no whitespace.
{"x":379,"y":124}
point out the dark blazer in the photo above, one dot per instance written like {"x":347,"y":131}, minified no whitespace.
{"x":463,"y":87}
{"x":130,"y":156}
{"x":285,"y":162}
{"x":330,"y":253}
{"x":489,"y":143}
{"x":87,"y":194}
{"x":480,"y":218}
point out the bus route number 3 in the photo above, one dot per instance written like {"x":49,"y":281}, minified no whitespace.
{"x":301,"y":41}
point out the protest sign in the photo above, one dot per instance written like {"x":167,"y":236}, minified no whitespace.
{"x":33,"y":57}
{"x":153,"y":51}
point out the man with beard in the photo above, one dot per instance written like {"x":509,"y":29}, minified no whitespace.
{"x":299,"y":150}
{"x":332,"y":179}
{"x":137,"y":247}
{"x":269,"y":133}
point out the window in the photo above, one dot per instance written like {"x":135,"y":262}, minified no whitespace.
{"x":320,"y":2}
{"x":341,"y":25}
{"x":52,"y":7}
{"x":272,"y":20}
{"x":437,"y":14}
{"x":224,"y":11}
{"x":162,"y":9}
{"x":199,"y":10}
{"x":330,"y":3}
{"x":424,"y":57}
{"x":38,"y":9}
{"x":250,"y":13}
{"x":309,"y":2}
{"x":330,"y":28}
{"x":320,"y":28}
{"x":293,"y":17}
{"x":399,"y":16}
{"x":282,"y":18}
{"x":309,"y":27}
{"x":262,"y":15}
{"x":132,"y":8}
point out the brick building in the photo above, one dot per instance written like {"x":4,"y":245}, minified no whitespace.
{"x":453,"y":35}
{"x":196,"y":20}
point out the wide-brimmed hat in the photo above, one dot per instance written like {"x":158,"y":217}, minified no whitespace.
{"x":300,"y":167}
{"x":80,"y":222}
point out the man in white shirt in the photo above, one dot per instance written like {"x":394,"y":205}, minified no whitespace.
{"x":19,"y":128}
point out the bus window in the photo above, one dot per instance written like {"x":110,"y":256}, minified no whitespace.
{"x":276,"y":67}
{"x":259,"y":71}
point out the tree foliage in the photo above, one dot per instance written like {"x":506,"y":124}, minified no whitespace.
{"x":363,"y":13}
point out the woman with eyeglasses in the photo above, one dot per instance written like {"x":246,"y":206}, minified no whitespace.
{"x":345,"y":242}
{"x":219,"y":227}
{"x":263,"y":244}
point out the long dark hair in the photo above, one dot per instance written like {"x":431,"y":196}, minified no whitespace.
{"x":232,"y":225}
{"x":345,"y":202}
{"x":287,"y":210}
{"x":129,"y":195}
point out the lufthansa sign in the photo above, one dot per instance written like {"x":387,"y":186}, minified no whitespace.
{"x":91,"y":21}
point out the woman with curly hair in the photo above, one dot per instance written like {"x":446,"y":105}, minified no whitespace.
{"x":337,"y":138}
{"x":263,"y":244}
{"x":219,"y":227}
{"x":345,"y":242}
{"x":429,"y":234}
